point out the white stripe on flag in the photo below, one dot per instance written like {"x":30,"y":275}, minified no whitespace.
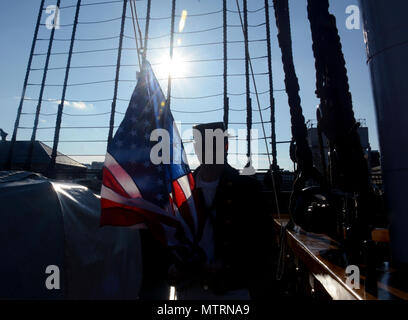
{"x":122,"y":177}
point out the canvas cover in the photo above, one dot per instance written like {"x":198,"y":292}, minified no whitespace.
{"x":44,"y":223}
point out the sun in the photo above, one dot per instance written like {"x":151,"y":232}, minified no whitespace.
{"x":175,"y":67}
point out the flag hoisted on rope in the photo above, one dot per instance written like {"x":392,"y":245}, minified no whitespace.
{"x":135,"y":190}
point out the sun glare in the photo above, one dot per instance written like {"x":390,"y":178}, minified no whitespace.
{"x":174,"y":67}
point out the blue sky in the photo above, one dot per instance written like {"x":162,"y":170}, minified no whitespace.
{"x":17,"y":21}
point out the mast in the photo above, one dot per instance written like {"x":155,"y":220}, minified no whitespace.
{"x":386,"y":41}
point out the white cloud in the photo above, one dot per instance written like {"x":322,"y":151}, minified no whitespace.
{"x":25,"y":97}
{"x":77,"y":104}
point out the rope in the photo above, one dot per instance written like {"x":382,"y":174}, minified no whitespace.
{"x":27,"y":165}
{"x":64,"y":90}
{"x":20,"y":106}
{"x":271,"y":97}
{"x":299,"y":130}
{"x":91,"y":4}
{"x":153,"y":64}
{"x":247,"y":85}
{"x":173,"y":14}
{"x":118,"y":61}
{"x":261,"y":116}
{"x":149,"y":6}
{"x":154,"y":48}
{"x":225,"y":65}
{"x":337,"y":117}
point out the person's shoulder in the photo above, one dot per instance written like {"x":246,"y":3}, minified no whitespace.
{"x":235,"y":177}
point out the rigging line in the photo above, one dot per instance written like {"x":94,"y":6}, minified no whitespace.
{"x":217,"y":95}
{"x":213,"y":110}
{"x":119,"y":112}
{"x":200,"y":14}
{"x":108,"y":127}
{"x":94,"y":22}
{"x":149,"y":5}
{"x":261,"y":117}
{"x":69,"y":114}
{"x":88,"y":22}
{"x":179,"y":16}
{"x":249,"y":11}
{"x":28,"y":162}
{"x":152,"y":38}
{"x":153,"y":64}
{"x":137,"y":23}
{"x":247,"y":84}
{"x":225,"y":64}
{"x":184,"y":141}
{"x":85,"y":67}
{"x":64,"y":90}
{"x":118,"y":62}
{"x":90,"y":4}
{"x":69,"y":100}
{"x":173,"y":14}
{"x":271,"y":87}
{"x":134,"y":30}
{"x":77,"y":52}
{"x":161,"y":79}
{"x":73,"y":84}
{"x":204,"y":44}
{"x":249,"y":25}
{"x":199,"y":31}
{"x":75,"y":141}
{"x":83,"y":39}
{"x":20,"y":106}
{"x":154,"y":48}
{"x":209,"y":76}
{"x":232,"y":123}
{"x":205,"y":30}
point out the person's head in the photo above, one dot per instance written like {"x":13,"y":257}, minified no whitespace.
{"x":211,"y":143}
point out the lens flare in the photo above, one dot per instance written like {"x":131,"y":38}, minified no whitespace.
{"x":183,"y":19}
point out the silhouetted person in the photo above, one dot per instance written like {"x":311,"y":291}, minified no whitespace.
{"x":237,"y":238}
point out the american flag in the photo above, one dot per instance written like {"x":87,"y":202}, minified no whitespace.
{"x":137,"y":192}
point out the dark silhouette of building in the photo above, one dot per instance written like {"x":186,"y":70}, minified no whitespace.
{"x":65,"y":166}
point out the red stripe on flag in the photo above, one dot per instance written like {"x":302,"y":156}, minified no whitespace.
{"x":132,"y":212}
{"x":110,"y":181}
{"x":117,"y":214}
{"x":191,"y":181}
{"x":180,"y":200}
